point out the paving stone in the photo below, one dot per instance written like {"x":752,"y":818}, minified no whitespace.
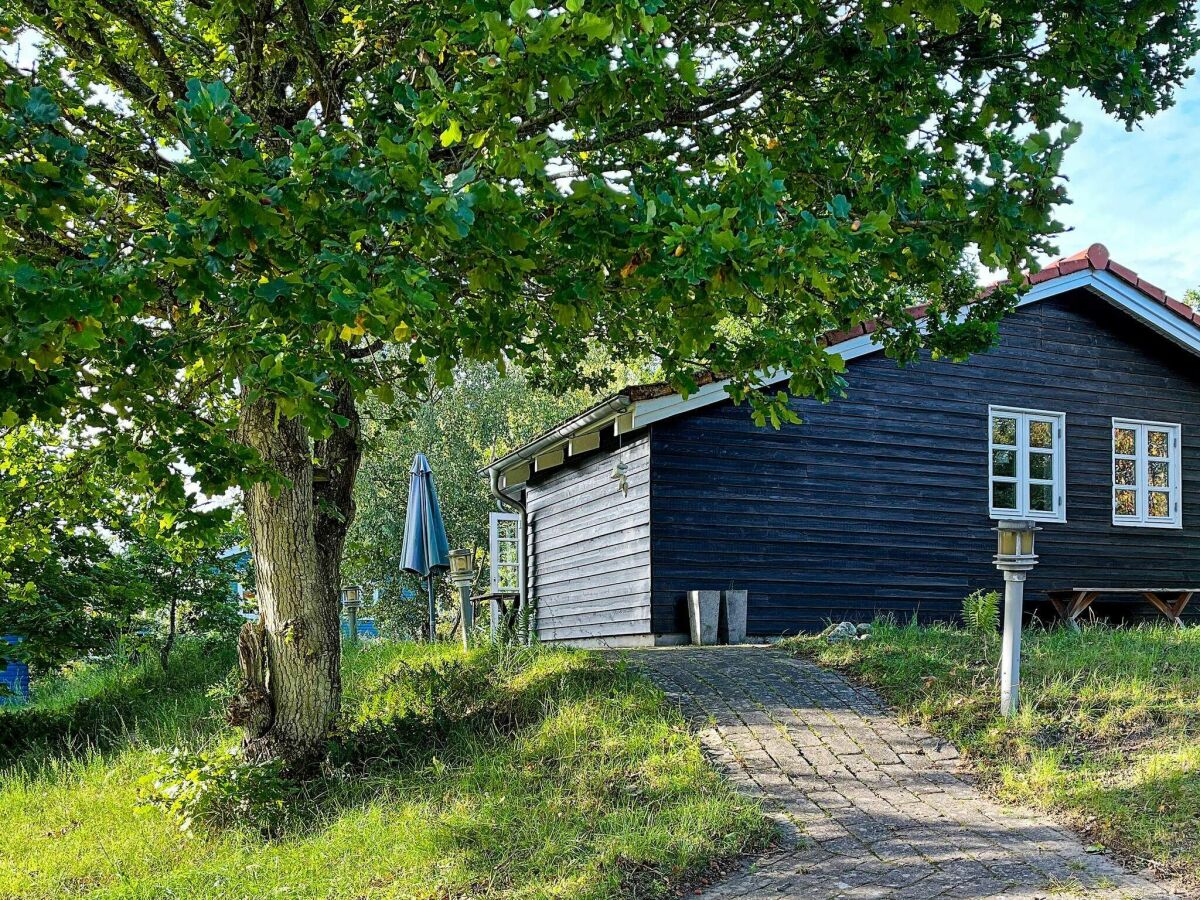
{"x":868,"y":807}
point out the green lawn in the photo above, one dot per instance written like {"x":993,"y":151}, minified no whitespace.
{"x":1108,"y":735}
{"x":513,"y":774}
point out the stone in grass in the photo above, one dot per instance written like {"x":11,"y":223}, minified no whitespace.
{"x":844,"y":631}
{"x":863,"y":628}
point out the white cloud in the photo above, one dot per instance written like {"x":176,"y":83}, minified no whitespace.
{"x":1138,"y":192}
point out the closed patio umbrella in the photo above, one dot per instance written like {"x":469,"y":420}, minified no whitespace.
{"x":426,"y":550}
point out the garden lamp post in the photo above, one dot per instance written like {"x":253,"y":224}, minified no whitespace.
{"x":1014,"y":557}
{"x":462,"y":574}
{"x":352,"y":603}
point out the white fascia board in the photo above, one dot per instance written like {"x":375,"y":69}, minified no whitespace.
{"x":1108,"y":286}
{"x":646,"y":412}
{"x":1154,"y":314}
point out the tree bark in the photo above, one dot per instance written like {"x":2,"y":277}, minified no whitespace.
{"x":297,"y":532}
{"x":164,"y":654}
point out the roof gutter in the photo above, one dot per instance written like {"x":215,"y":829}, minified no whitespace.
{"x":588,"y":417}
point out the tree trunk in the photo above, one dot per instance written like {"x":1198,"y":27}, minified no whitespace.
{"x":297,"y":531}
{"x":164,"y":654}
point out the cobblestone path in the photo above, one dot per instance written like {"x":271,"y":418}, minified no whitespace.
{"x":869,"y":808}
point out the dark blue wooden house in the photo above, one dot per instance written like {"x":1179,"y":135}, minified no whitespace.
{"x":1085,"y":417}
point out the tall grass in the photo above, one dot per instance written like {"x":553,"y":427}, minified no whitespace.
{"x":518,"y":774}
{"x":95,"y":705}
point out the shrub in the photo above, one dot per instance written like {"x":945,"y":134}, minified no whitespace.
{"x":416,"y":706}
{"x":220,"y":789}
{"x":981,"y":613}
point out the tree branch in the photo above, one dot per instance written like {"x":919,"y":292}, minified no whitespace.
{"x":314,"y":56}
{"x":98,"y":53}
{"x":127,"y":12}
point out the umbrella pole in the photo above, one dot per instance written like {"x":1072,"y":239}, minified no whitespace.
{"x":432,"y":609}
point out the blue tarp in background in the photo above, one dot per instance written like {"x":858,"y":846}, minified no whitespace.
{"x":366,"y":629}
{"x":14,"y":676}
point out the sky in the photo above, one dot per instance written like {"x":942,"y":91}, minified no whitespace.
{"x":1138,"y":192}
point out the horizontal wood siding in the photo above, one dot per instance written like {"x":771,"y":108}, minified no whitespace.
{"x":590,"y":545}
{"x":878,"y":503}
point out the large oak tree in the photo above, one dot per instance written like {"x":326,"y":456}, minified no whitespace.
{"x":225,"y":221}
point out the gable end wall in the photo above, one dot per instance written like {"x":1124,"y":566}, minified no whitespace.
{"x":589,"y":548}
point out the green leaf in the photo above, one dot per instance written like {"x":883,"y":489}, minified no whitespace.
{"x":595,"y":27}
{"x":944,"y":16}
{"x":452,"y":135}
{"x":561,"y":90}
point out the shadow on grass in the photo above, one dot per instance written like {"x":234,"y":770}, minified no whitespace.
{"x":97,"y":707}
{"x":531,"y":765}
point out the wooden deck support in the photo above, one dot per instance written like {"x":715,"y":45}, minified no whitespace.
{"x":1172,"y":609}
{"x":1071,"y":604}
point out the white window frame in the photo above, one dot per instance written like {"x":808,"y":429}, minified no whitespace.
{"x":494,"y":520}
{"x":1141,"y":460}
{"x":1022,"y":480}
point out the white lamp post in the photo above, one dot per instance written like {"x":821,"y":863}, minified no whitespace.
{"x":462,"y":574}
{"x":1014,"y":557}
{"x":352,"y":603}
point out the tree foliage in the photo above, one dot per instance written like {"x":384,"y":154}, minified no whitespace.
{"x":58,"y":585}
{"x":76,"y":576}
{"x":202,"y":197}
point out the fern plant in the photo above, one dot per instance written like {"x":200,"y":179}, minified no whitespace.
{"x":981,"y":613}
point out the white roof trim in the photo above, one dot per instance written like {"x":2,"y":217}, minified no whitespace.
{"x":1104,"y":284}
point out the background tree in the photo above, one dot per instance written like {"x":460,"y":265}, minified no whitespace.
{"x":224,"y":224}
{"x":76,"y":576}
{"x":60,"y":587}
{"x":460,"y":427}
{"x":181,"y":587}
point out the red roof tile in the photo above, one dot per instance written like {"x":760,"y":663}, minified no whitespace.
{"x":1096,"y":258}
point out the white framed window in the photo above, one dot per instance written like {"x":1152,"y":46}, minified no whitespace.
{"x":504,"y":546}
{"x":1146,"y":474}
{"x":1027,"y":469}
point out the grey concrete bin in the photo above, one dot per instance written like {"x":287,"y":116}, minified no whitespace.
{"x":735,"y":616}
{"x":704,"y":610}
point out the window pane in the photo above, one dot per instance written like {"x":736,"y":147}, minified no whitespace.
{"x":507,"y":577}
{"x":1041,"y":434}
{"x":1004,"y":462}
{"x":508,"y":553}
{"x":1156,"y":442}
{"x":1125,"y":471}
{"x":1041,"y":465}
{"x":1125,"y":503}
{"x":1160,"y":474}
{"x":1124,"y":441}
{"x":1004,"y":431}
{"x":1041,"y":497}
{"x":1004,"y":495}
{"x":1160,"y":505}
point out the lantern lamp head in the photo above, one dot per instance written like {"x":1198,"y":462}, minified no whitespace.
{"x":462,"y":566}
{"x":1015,"y":544}
{"x":352,"y":596}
